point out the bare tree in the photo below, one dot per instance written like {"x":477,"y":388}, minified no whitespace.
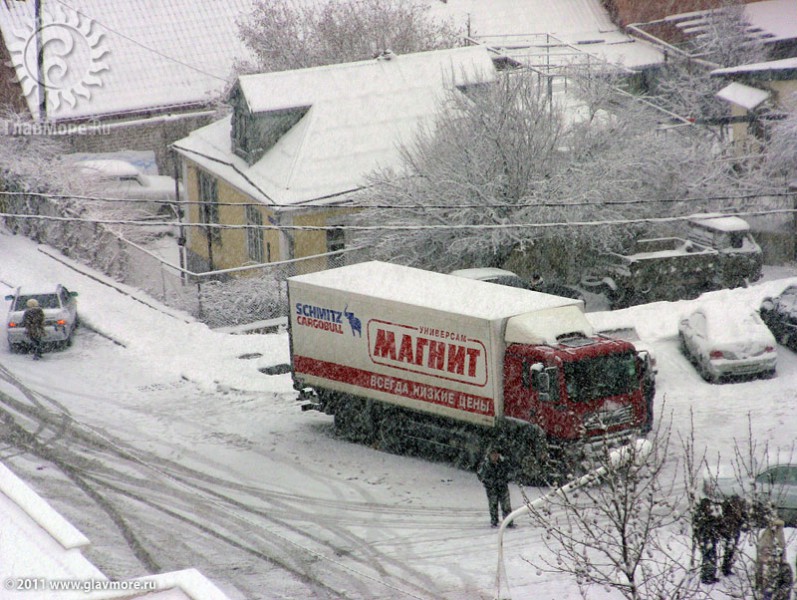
{"x":506,"y":171}
{"x":782,"y":147}
{"x":632,"y":530}
{"x":628,"y":533}
{"x":723,"y":39}
{"x":287,"y":35}
{"x":486,"y":163}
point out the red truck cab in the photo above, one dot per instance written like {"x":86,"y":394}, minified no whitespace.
{"x":583,"y":390}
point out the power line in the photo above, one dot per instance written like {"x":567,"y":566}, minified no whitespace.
{"x":463,"y":227}
{"x":140,"y":45}
{"x":548,"y":204}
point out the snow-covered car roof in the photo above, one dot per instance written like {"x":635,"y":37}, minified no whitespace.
{"x":107,"y":168}
{"x":482,"y":273}
{"x":723,"y":327}
{"x":38,"y":290}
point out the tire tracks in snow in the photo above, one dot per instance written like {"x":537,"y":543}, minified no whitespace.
{"x":82,"y":455}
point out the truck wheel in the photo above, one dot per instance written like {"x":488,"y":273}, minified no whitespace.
{"x":533,"y":471}
{"x":391,"y":433}
{"x":353,"y":420}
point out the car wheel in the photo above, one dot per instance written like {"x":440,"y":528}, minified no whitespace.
{"x":682,"y":346}
{"x":14,"y":348}
{"x":706,"y":374}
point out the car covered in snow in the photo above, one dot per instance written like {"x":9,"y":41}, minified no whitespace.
{"x":511,"y":279}
{"x":60,"y":316}
{"x":723,"y":345}
{"x":114,"y":178}
{"x":780,"y":315}
{"x":775,"y":484}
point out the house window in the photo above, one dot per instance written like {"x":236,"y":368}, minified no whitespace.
{"x":336,"y":239}
{"x":209,"y":207}
{"x":254,"y":235}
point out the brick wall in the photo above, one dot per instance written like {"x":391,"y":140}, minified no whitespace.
{"x":10,"y":90}
{"x":155,"y":134}
{"x":625,"y":12}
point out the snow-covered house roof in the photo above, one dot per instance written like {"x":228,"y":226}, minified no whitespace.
{"x":41,"y":549}
{"x":743,"y":95}
{"x":769,"y":20}
{"x":785,"y":68}
{"x":544,"y":28}
{"x":348,"y":120}
{"x":108,"y":58}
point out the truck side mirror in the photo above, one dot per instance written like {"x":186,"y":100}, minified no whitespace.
{"x":542,"y":382}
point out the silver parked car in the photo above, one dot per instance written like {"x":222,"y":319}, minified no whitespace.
{"x":60,"y":316}
{"x":723,"y":345}
{"x":776,"y":484}
{"x":511,"y":279}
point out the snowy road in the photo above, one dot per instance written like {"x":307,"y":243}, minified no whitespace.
{"x":176,"y":486}
{"x":168,"y":447}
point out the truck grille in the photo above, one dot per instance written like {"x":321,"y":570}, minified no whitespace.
{"x":609,"y":417}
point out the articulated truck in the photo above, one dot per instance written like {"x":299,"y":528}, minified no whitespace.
{"x":414,"y":361}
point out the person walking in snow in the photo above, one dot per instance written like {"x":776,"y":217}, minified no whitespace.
{"x":734,"y":518}
{"x":33,"y":321}
{"x":705,"y":525}
{"x":770,"y":555}
{"x":494,"y":473}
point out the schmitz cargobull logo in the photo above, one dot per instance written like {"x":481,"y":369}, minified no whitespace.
{"x":436,"y":352}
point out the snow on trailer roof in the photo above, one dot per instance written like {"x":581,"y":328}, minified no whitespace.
{"x":435,"y":291}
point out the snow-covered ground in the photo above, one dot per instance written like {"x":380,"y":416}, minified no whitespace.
{"x":195,"y":457}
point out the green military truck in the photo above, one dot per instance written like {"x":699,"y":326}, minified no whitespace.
{"x":718,"y":252}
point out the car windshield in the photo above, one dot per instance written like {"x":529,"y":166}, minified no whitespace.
{"x":44,"y":300}
{"x":779,"y":474}
{"x":601,"y":377}
{"x":510,"y":281}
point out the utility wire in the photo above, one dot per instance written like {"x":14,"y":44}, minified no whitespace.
{"x":140,"y":45}
{"x":463,"y":227}
{"x":563,"y":204}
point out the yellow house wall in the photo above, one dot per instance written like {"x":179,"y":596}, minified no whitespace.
{"x":782,"y":91}
{"x":309,"y":243}
{"x":231,"y":251}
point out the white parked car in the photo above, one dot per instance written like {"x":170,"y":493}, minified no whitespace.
{"x":508,"y":278}
{"x":774,"y":484}
{"x":115,"y":178}
{"x":722,"y":344}
{"x":60,"y":316}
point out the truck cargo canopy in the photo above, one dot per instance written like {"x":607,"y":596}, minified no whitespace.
{"x":435,"y":291}
{"x":720,"y":222}
{"x":545,"y":326}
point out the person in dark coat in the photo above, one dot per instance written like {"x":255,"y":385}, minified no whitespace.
{"x":782,"y":583}
{"x":33,"y":321}
{"x":734,"y":518}
{"x":705,"y":525}
{"x":494,"y":473}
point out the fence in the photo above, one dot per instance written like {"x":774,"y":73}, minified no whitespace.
{"x":231,"y":298}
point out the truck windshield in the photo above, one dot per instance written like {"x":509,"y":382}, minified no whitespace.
{"x":601,"y":377}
